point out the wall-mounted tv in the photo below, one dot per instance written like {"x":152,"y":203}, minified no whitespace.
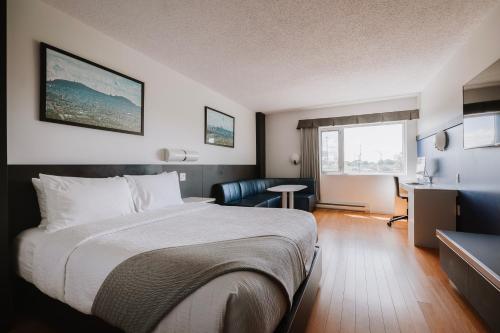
{"x":482,"y":109}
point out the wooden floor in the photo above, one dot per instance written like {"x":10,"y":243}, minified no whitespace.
{"x":374,"y":282}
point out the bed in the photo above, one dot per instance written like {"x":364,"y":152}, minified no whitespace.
{"x":72,"y":265}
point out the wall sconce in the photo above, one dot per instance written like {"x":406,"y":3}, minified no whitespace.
{"x":295,"y":158}
{"x":180,"y":155}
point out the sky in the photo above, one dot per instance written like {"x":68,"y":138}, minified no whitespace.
{"x":60,"y":66}
{"x":376,"y":142}
{"x":219,"y":120}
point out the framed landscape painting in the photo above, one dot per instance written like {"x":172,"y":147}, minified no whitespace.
{"x":76,"y":91}
{"x":219,"y":128}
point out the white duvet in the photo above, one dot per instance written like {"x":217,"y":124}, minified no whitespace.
{"x":71,"y":264}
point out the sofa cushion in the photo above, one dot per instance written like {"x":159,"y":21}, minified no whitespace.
{"x":270,"y":182}
{"x":248,"y":202}
{"x":258,"y":200}
{"x":227,"y":192}
{"x":274,"y":202}
{"x":252,"y":187}
{"x":304,"y":201}
{"x":248,"y":188}
{"x":266,"y":196}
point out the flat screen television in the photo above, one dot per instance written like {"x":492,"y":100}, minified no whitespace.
{"x":482,"y":109}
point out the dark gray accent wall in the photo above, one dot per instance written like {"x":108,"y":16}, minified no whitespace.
{"x":479,"y":188}
{"x":260,"y":145}
{"x":23,"y":206}
{"x":4,"y":258}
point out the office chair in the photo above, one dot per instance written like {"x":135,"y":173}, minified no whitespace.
{"x":398,"y":194}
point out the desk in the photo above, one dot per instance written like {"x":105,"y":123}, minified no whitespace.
{"x":430,"y":207}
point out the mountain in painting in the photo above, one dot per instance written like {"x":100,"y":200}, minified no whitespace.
{"x":75,"y":102}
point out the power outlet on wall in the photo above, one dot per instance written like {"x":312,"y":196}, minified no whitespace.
{"x":182,"y":176}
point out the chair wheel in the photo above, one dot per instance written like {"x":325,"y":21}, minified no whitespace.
{"x":389,"y":224}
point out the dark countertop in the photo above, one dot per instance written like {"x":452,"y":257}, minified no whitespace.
{"x":481,"y":248}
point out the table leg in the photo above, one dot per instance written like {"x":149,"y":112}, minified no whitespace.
{"x":283,"y":199}
{"x":290,"y":200}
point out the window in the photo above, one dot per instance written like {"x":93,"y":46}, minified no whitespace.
{"x":367,"y":149}
{"x":330,"y":151}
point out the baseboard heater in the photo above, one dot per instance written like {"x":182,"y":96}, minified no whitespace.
{"x":357,"y":206}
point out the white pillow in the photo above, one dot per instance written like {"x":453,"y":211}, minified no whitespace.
{"x":42,"y":201}
{"x":73,"y":201}
{"x":155,"y":191}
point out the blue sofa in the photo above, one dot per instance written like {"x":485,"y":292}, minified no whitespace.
{"x":253,"y":193}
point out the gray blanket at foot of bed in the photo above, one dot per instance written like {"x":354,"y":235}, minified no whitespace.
{"x":140,"y":291}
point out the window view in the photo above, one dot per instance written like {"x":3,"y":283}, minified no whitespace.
{"x":330,"y":151}
{"x":375,"y":149}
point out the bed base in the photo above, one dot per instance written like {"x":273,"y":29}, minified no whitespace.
{"x":295,"y":321}
{"x":35,"y":311}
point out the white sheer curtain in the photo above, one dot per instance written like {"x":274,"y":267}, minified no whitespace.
{"x":309,"y":156}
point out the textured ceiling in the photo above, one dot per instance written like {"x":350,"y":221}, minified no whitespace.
{"x":276,"y":55}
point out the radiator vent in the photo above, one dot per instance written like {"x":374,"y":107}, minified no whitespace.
{"x":357,"y":206}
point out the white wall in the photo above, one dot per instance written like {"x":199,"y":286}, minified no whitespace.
{"x":283,"y":139}
{"x":174,"y":114}
{"x":441,"y":99}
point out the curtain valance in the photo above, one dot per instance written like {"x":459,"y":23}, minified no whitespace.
{"x":359,"y":119}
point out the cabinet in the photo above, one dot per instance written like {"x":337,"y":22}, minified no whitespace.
{"x":430,"y":207}
{"x":472,"y":263}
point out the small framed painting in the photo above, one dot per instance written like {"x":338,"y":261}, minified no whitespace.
{"x":76,"y":91}
{"x":219,"y":128}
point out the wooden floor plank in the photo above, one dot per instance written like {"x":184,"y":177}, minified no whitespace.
{"x":414,"y":310}
{"x":387,"y":305}
{"x":348,"y":317}
{"x":373,"y":296}
{"x":361,"y":306}
{"x":335,"y":312}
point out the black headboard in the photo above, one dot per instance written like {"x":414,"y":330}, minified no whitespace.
{"x":23,"y":205}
